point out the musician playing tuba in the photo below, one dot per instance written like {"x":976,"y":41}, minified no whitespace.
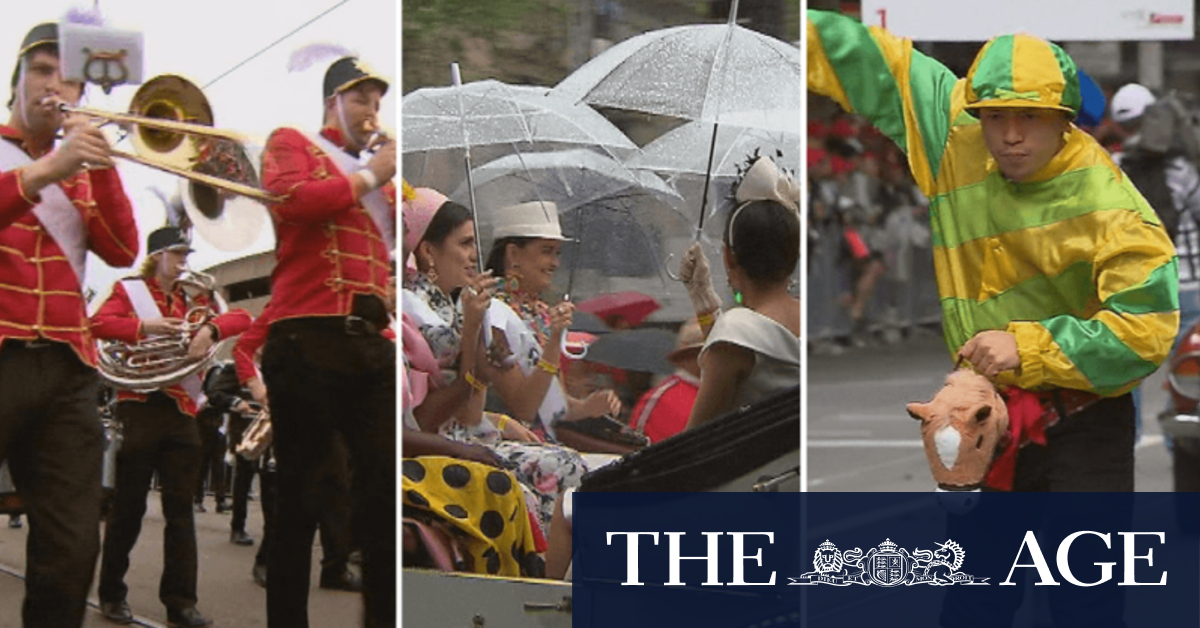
{"x":327,"y":366}
{"x":52,"y":211}
{"x":159,"y":427}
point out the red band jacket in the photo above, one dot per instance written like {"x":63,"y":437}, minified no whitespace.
{"x":328,"y":248}
{"x":40,"y":295}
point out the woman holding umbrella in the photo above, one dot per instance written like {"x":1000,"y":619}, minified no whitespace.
{"x":526,"y":254}
{"x":439,"y":234}
{"x":751,"y":351}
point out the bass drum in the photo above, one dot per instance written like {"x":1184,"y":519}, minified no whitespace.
{"x":11,"y":502}
{"x":755,"y":448}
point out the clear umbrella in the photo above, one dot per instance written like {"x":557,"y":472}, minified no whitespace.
{"x":493,"y":120}
{"x":699,"y":72}
{"x":679,"y":157}
{"x":623,"y":220}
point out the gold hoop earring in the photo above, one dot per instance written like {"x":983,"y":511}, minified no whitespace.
{"x":512,"y":280}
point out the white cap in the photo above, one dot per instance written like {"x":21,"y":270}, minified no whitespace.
{"x":528,"y":220}
{"x":1130,"y":102}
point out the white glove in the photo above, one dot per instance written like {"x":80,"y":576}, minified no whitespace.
{"x":697,"y":278}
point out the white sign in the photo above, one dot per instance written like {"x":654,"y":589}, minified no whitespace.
{"x":1059,"y":20}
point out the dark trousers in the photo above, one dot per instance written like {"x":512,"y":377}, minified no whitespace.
{"x":212,"y":456}
{"x":333,"y":524}
{"x":50,"y":434}
{"x":158,"y":437}
{"x":268,"y":497}
{"x":323,"y":381}
{"x":243,"y":476}
{"x":1090,"y":451}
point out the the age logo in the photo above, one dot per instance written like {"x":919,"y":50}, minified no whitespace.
{"x":888,"y":565}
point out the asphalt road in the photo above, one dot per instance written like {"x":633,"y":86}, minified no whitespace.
{"x":227,"y":592}
{"x":860,"y":438}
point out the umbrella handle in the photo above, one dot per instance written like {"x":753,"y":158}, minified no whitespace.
{"x":574,"y":356}
{"x":667,"y":267}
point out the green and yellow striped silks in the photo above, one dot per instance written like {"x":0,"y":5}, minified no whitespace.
{"x":1073,"y":262}
{"x":1023,"y":71}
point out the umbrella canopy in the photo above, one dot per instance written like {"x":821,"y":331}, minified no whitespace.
{"x":494,"y":119}
{"x":634,"y":350}
{"x":633,"y":306}
{"x":568,"y":178}
{"x":697,"y":72}
{"x":620,"y":219}
{"x":680,"y":156}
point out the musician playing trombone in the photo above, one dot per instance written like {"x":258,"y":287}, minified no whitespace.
{"x":326,"y":364}
{"x":56,"y":203}
{"x":160,"y":430}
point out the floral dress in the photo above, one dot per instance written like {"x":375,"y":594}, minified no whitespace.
{"x":544,"y":470}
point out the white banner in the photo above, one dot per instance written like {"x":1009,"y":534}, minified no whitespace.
{"x":1056,"y":20}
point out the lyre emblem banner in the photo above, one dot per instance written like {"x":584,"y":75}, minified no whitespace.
{"x":99,"y":68}
{"x":102,"y":56}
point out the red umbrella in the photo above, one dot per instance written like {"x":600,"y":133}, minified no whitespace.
{"x":633,"y":307}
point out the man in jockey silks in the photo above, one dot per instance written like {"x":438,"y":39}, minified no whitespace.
{"x":1054,"y":275}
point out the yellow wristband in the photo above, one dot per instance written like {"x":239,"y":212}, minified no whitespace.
{"x":548,"y":367}
{"x":476,"y":384}
{"x":706,"y":319}
{"x":502,"y":422}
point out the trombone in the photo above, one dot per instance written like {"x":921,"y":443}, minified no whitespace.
{"x":160,"y":110}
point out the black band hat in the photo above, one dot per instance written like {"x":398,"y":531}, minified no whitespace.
{"x":167,"y":239}
{"x":348,"y":72}
{"x":44,"y":34}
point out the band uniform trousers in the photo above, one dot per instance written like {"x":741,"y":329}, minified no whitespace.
{"x":243,"y":472}
{"x":51,"y":436}
{"x":212,"y":456}
{"x":325,"y":377}
{"x":1090,"y":451}
{"x":158,"y":437}
{"x":333,"y":524}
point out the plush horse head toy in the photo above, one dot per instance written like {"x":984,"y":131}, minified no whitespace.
{"x":963,"y":426}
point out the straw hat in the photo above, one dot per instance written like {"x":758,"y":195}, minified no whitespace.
{"x":535,"y":219}
{"x":687,"y":344}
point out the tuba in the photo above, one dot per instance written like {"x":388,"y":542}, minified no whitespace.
{"x":160,"y":361}
{"x":258,"y":436}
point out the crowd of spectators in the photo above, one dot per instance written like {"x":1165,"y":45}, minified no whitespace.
{"x":866,"y":229}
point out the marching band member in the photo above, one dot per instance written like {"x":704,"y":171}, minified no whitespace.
{"x":334,"y":519}
{"x":327,"y":366}
{"x":159,"y":428}
{"x":53,"y":210}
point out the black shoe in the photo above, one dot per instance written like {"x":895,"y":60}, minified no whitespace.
{"x":345,"y":580}
{"x":200,"y":507}
{"x":224,"y":507}
{"x":186,"y":618}
{"x":239,"y":537}
{"x":117,"y":612}
{"x":14,"y":521}
{"x":260,"y":575}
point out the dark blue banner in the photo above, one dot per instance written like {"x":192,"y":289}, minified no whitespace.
{"x":841,"y":560}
